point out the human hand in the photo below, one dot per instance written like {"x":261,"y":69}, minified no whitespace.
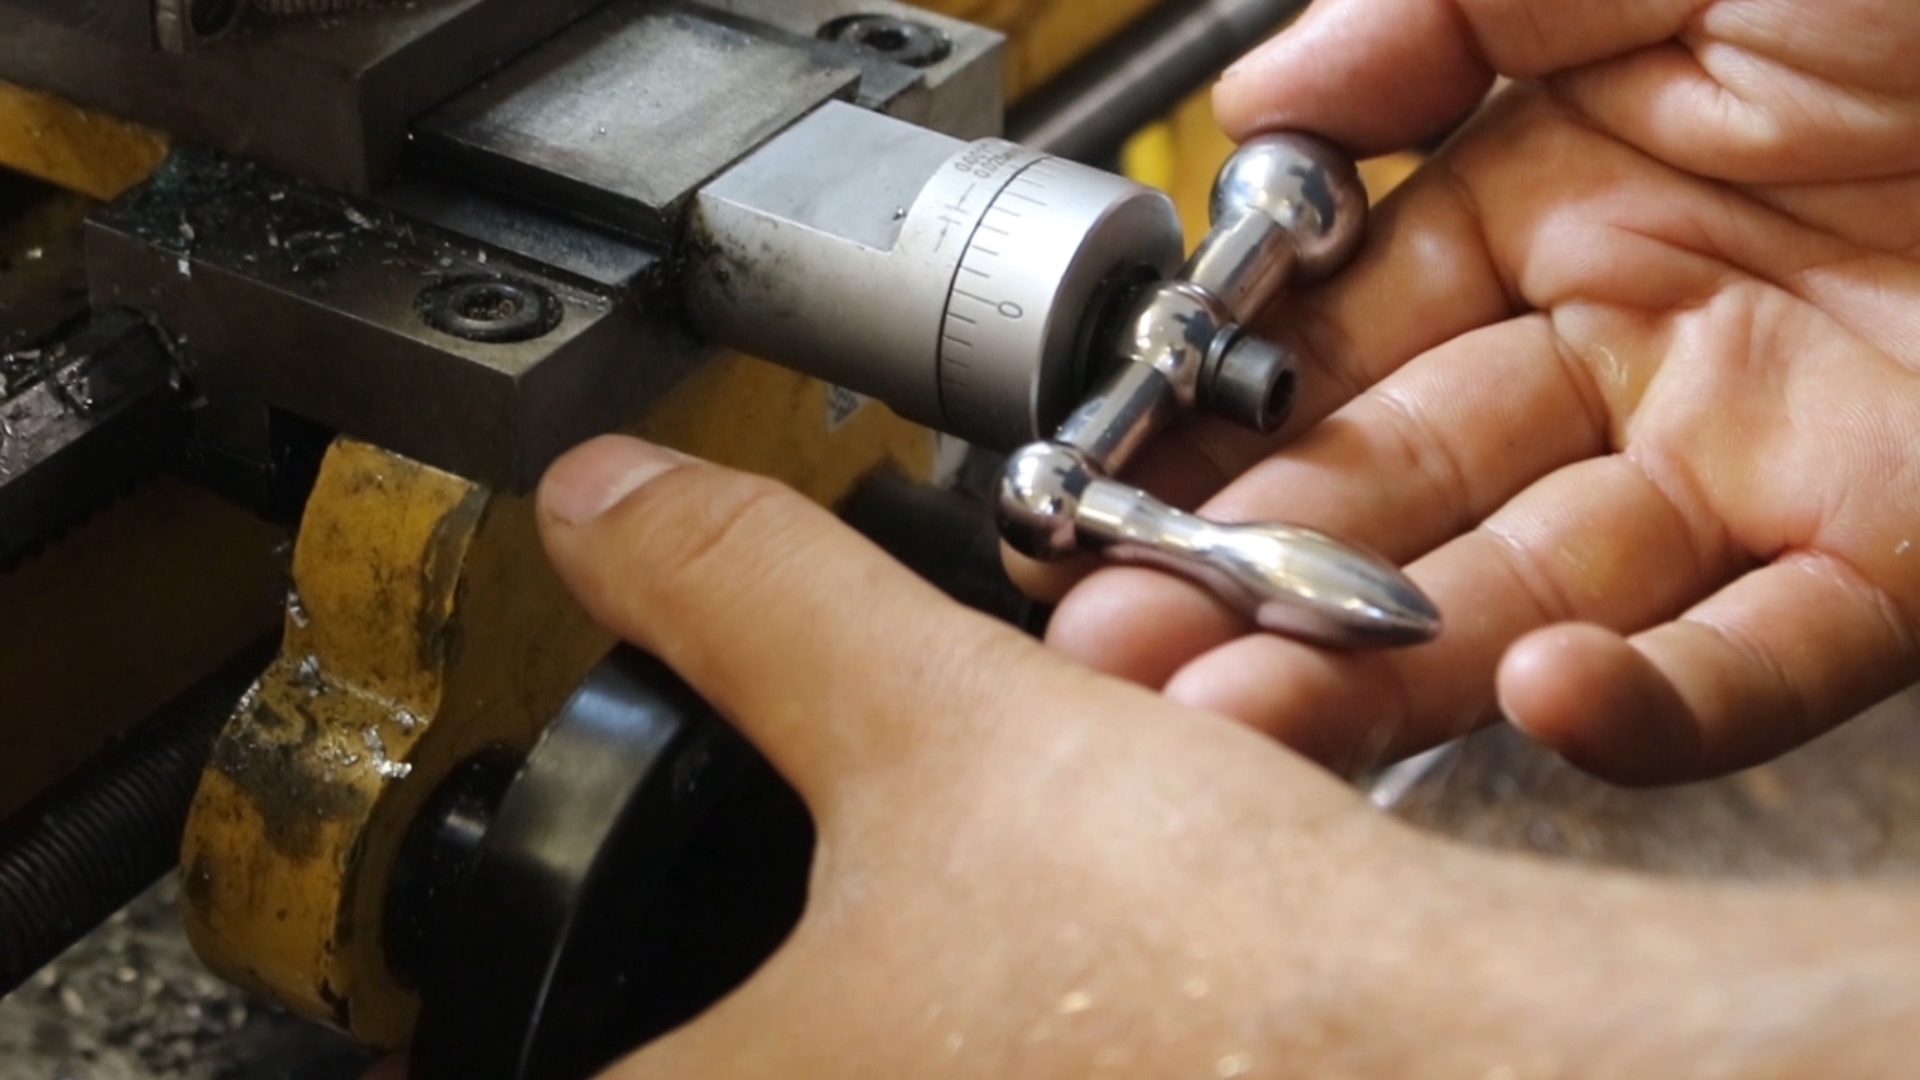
{"x":1027,"y":870}
{"x":1630,"y":374}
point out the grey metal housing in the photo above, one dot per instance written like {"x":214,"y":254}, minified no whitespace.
{"x":952,"y":281}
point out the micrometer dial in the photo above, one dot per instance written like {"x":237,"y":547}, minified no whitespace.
{"x":954,"y":281}
{"x":1054,"y":236}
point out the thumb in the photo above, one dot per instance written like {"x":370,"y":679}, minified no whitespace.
{"x":1380,"y":75}
{"x":824,"y":652}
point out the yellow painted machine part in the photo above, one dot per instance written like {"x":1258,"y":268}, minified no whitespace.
{"x":427,"y":628}
{"x":748,"y":414}
{"x":74,"y":148}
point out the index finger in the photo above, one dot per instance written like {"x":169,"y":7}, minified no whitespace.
{"x":801,"y":633}
{"x":1380,"y":75}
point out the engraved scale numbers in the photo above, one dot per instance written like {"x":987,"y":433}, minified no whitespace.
{"x":984,"y":303}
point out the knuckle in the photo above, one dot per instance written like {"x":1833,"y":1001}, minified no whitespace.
{"x":1532,"y":582}
{"x":1433,"y":456}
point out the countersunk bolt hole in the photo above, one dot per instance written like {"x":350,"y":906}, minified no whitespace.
{"x":887,"y":39}
{"x":899,"y":40}
{"x":490,"y":304}
{"x":494,"y":311}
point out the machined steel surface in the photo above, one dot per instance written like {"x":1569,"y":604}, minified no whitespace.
{"x":620,"y":119}
{"x":562,"y":246}
{"x":1286,"y":210}
{"x":286,"y":298}
{"x":330,"y":99}
{"x":960,"y":95}
{"x":327,"y":100}
{"x":1290,"y":580}
{"x":284,"y":295}
{"x":904,"y":41}
{"x":956,"y":282}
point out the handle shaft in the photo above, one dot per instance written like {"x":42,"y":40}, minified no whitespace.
{"x":1288,"y":580}
{"x":1288,"y":210}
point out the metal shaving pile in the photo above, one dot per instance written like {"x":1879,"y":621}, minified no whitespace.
{"x":132,"y":1003}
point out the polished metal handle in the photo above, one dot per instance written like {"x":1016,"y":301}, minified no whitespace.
{"x":1288,"y":209}
{"x":1288,"y":580}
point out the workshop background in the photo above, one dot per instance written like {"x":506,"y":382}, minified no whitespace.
{"x":140,"y":595}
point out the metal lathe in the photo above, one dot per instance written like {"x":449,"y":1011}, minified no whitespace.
{"x":309,"y":293}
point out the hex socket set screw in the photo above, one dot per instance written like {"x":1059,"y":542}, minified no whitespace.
{"x":1288,"y":210}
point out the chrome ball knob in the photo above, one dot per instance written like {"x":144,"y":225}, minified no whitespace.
{"x":1306,"y":185}
{"x":1040,"y":494}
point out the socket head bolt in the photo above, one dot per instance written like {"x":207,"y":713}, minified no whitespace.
{"x":1250,"y":381}
{"x":1288,"y":209}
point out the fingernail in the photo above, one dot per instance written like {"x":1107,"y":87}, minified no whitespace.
{"x":600,"y":475}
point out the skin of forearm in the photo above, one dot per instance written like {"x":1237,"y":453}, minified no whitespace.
{"x":1581,"y":975}
{"x":1479,"y":967}
{"x":1070,"y":912}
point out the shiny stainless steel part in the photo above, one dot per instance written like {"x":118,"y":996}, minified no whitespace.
{"x":953,"y":281}
{"x":1287,"y":209}
{"x":1289,"y":580}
